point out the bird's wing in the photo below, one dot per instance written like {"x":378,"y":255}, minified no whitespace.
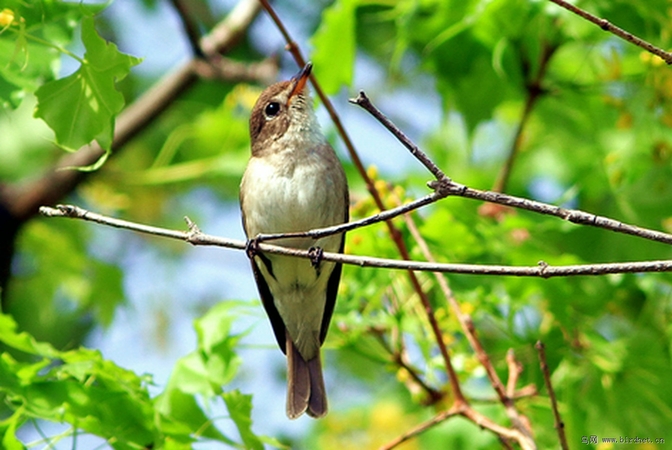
{"x":332,"y":291}
{"x":267,"y":300}
{"x":332,"y":284}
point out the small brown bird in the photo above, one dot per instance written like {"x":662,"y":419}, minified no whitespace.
{"x":294,"y":182}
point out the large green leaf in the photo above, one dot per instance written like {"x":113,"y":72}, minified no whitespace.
{"x":334,"y":42}
{"x":240,"y":409}
{"x":33,"y":38}
{"x":81,"y":107}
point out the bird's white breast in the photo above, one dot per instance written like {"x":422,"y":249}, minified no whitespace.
{"x":292,"y":193}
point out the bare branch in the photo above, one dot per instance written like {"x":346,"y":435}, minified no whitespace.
{"x":526,"y":391}
{"x":232,"y":71}
{"x":342,"y":228}
{"x":505,"y":396}
{"x":195,"y":237}
{"x":571,"y":215}
{"x":441,"y":417}
{"x":363,"y":101}
{"x":559,"y":424}
{"x":525,"y":442}
{"x":515,"y":369}
{"x":608,"y":26}
{"x":399,"y":357}
{"x":470,"y":414}
{"x":446,"y":187}
{"x":226,"y":34}
{"x":534,"y":94}
{"x":189,"y":26}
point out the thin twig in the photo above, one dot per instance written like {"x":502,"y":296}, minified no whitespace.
{"x":398,"y":357}
{"x":515,"y":369}
{"x":534,"y":93}
{"x":474,"y":416}
{"x":196,"y":237}
{"x":342,"y":228}
{"x":441,"y":417}
{"x":505,"y":396}
{"x":526,"y":391}
{"x":516,"y":435}
{"x":227,"y":33}
{"x":453,"y":378}
{"x":464,"y":319}
{"x":446,"y":187}
{"x":189,"y":26}
{"x":363,"y":101}
{"x":520,"y":421}
{"x":571,"y":215}
{"x":559,"y":424}
{"x":608,"y":26}
{"x":229,"y":70}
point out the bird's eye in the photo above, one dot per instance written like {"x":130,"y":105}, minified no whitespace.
{"x":272,"y":109}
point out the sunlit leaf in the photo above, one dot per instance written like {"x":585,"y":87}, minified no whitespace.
{"x":240,"y":408}
{"x":334,"y":43}
{"x":81,"y":107}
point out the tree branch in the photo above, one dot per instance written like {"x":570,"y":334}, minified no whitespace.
{"x":190,"y":27}
{"x":534,"y":94}
{"x":398,"y":357}
{"x":342,"y":228}
{"x":446,"y":187}
{"x":505,"y":395}
{"x":621,"y":33}
{"x":470,"y":414}
{"x":195,"y":237}
{"x":441,"y":417}
{"x":571,"y":215}
{"x":559,"y":424}
{"x":363,"y":101}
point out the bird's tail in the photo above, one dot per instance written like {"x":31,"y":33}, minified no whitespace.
{"x":305,"y":384}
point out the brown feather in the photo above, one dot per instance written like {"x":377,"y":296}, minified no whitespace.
{"x":298,"y":381}
{"x":305,"y":384}
{"x":317,"y":403}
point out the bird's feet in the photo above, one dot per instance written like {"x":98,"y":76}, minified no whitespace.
{"x":316,"y":254}
{"x":252,"y":247}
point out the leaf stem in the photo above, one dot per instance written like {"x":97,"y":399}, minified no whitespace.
{"x":46,"y":43}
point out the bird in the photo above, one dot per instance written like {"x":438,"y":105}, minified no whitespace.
{"x":295,"y":182}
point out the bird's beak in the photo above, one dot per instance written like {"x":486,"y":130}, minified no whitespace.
{"x":299,"y":80}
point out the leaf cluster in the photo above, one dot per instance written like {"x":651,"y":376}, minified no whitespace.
{"x":95,"y":396}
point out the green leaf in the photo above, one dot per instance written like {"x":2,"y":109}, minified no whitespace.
{"x":201,"y":373}
{"x":33,"y":36}
{"x":83,"y":390}
{"x":218,"y":344}
{"x":23,"y":341}
{"x":81,"y":107}
{"x":182,"y":418}
{"x":8,"y":432}
{"x":179,"y":413}
{"x":334,"y":43}
{"x":240,"y":409}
